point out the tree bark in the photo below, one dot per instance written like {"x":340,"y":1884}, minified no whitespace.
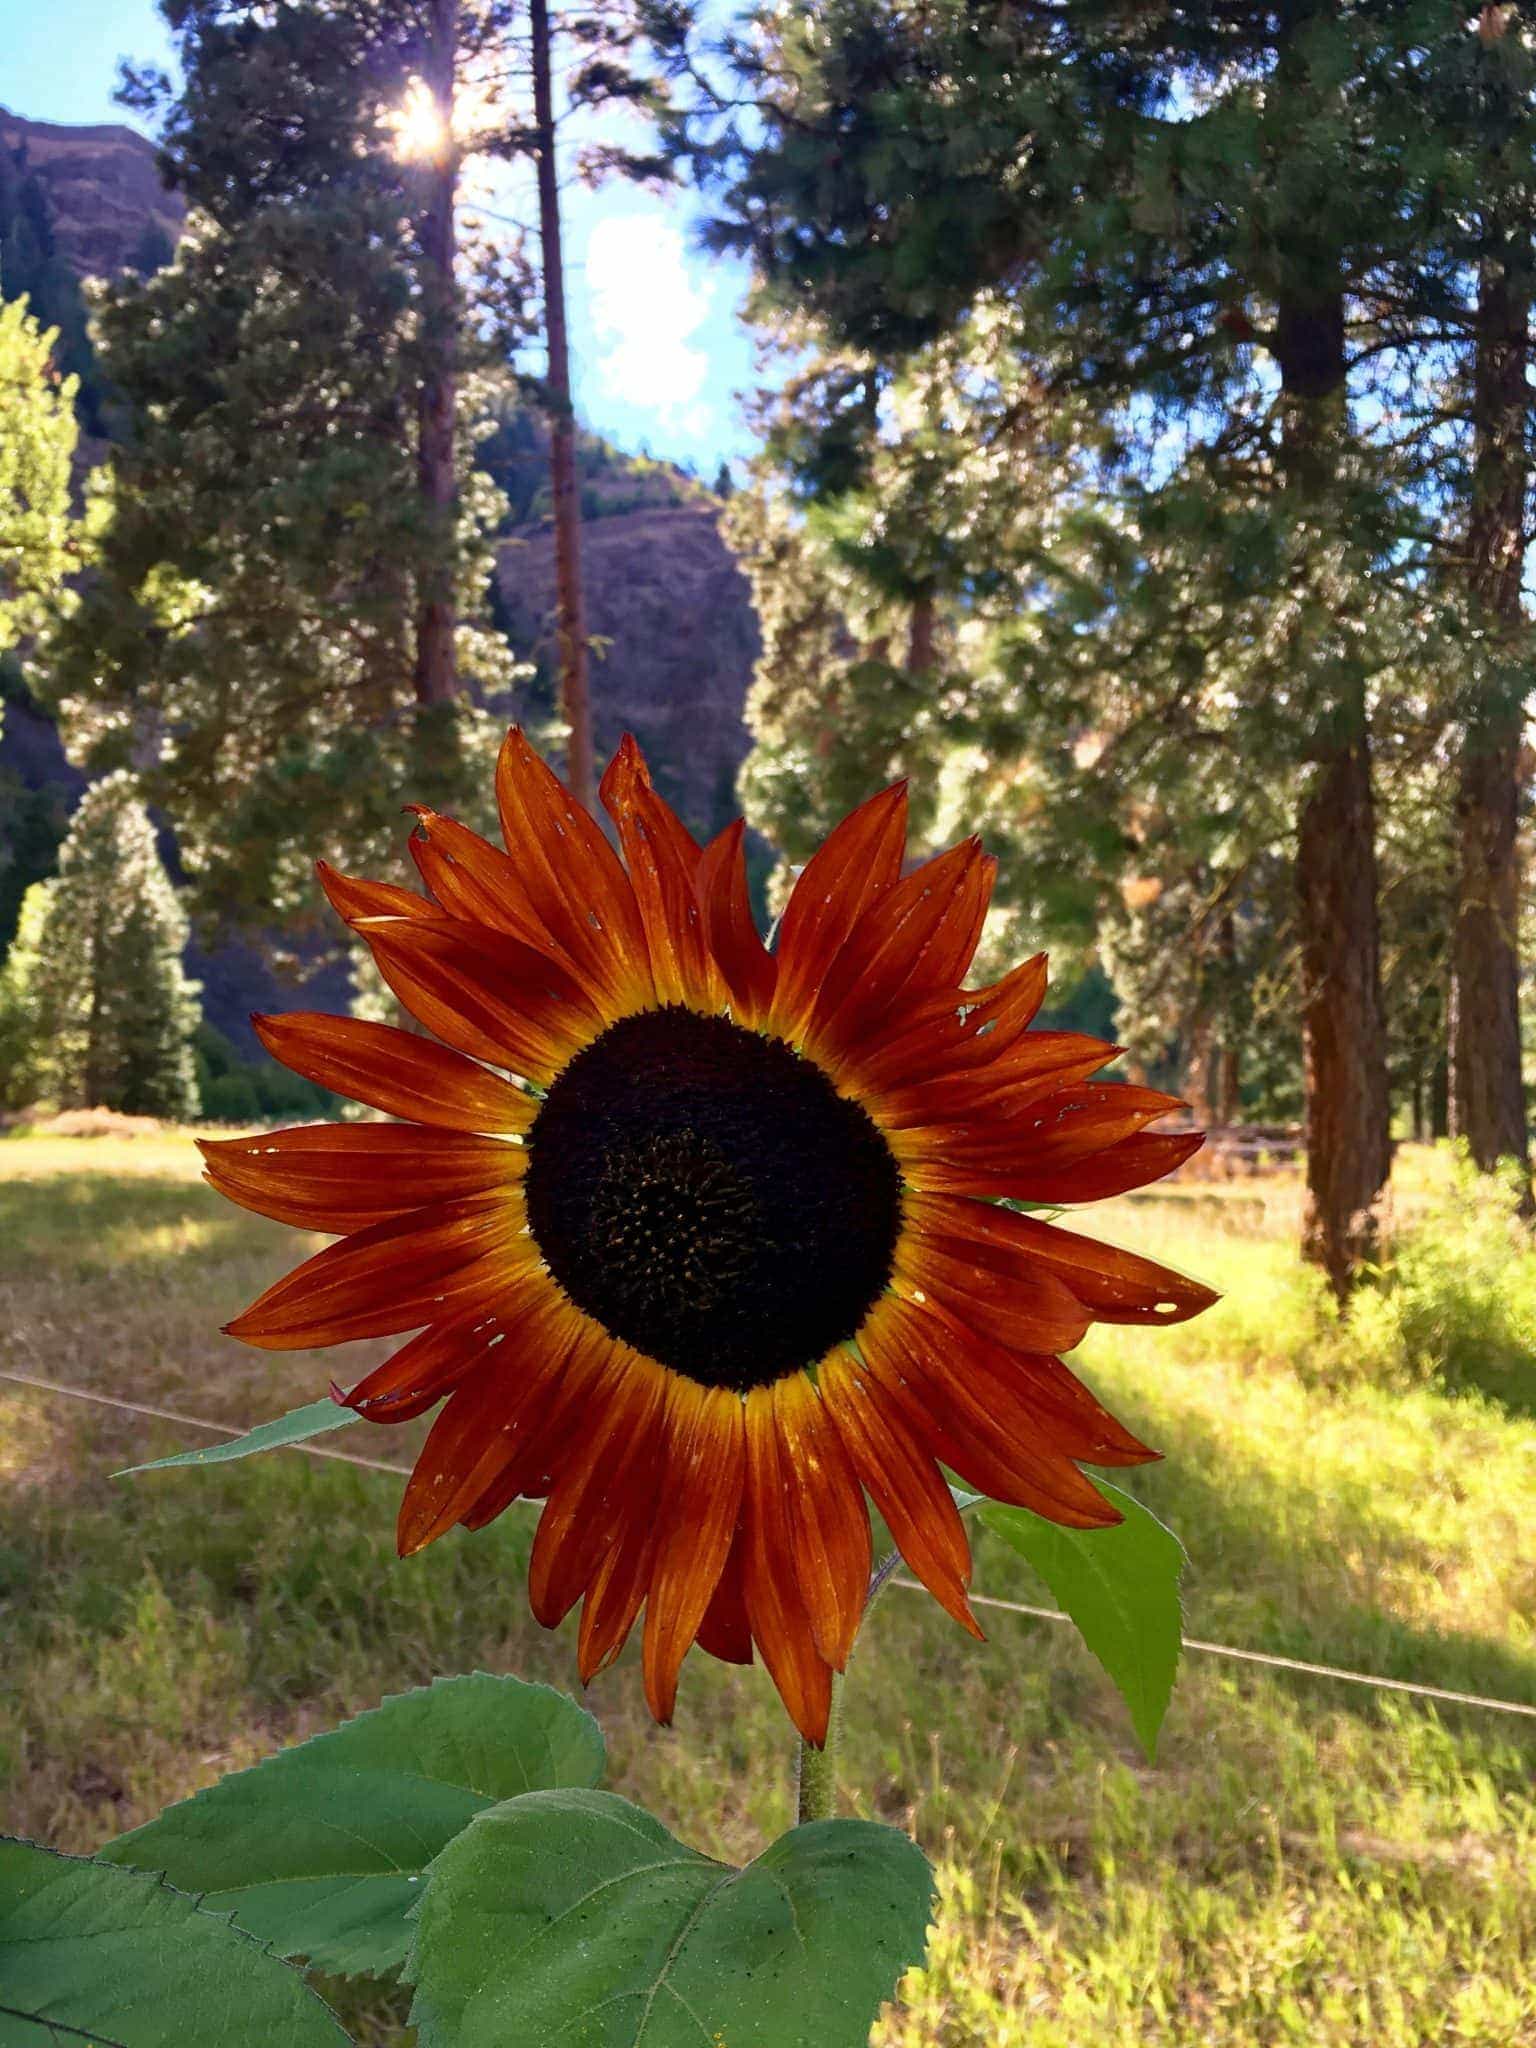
{"x":920,"y":634}
{"x":436,"y":673}
{"x":1229,"y":1107}
{"x":1344,"y":1054}
{"x":1201,"y":1058}
{"x":570,"y":608}
{"x":1487,"y":1096}
{"x":1349,"y":1152}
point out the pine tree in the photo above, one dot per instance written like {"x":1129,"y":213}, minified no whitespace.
{"x":95,"y":1010}
{"x":1498,"y":79}
{"x":574,"y":654}
{"x":289,"y":631}
{"x":1188,"y":213}
{"x":602,"y":76}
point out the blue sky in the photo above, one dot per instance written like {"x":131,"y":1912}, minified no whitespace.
{"x":659,"y":352}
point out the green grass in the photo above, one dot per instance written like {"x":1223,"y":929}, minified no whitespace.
{"x":1307,"y":1863}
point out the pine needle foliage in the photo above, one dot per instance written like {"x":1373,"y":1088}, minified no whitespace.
{"x":95,"y":1010}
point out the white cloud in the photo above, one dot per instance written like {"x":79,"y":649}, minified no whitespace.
{"x":645,"y":311}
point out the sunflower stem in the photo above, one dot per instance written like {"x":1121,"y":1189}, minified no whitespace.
{"x":818,"y":1767}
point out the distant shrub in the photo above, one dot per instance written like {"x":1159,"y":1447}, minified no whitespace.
{"x":232,"y":1090}
{"x":1457,"y":1297}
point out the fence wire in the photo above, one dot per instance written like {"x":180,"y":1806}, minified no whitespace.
{"x":1270,"y":1660}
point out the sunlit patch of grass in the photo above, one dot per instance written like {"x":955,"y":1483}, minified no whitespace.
{"x":29,"y":1438}
{"x":1305,"y":1863}
{"x":165,"y":1153}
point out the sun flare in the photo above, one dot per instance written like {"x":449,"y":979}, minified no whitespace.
{"x":420,"y":128}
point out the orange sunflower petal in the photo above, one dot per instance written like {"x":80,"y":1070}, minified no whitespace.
{"x":662,"y":857}
{"x":917,"y":937}
{"x":827,"y":1519}
{"x":729,"y":926}
{"x":394,"y":1276}
{"x":395,"y":1071}
{"x":479,"y":884}
{"x":342,"y":1177}
{"x":1026,"y":1308}
{"x":705,"y":1468}
{"x":904,"y":1483}
{"x":954,"y":1029}
{"x":852,"y":869}
{"x":726,"y":1630}
{"x":1040,"y":1063}
{"x":775,"y":1607}
{"x":422,"y":1371}
{"x":1032,"y":1396}
{"x":1131,"y":1163}
{"x":592,"y":1501}
{"x":477,"y":988}
{"x":1116,"y":1286}
{"x":1030,"y":1156}
{"x":354,"y":896}
{"x":419,"y":991}
{"x":492,"y":1424}
{"x":943,"y":1403}
{"x":618,"y":1590}
{"x":573,"y":877}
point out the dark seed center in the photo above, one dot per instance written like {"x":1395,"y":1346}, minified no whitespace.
{"x":707,"y":1195}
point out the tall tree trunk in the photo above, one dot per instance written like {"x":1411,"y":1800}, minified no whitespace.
{"x":920,"y":634}
{"x":1487,"y":1098}
{"x":1200,"y":1065}
{"x":570,"y":608}
{"x":1229,"y":1107}
{"x":1349,"y":1152}
{"x":1343,"y":1024}
{"x":436,"y":675}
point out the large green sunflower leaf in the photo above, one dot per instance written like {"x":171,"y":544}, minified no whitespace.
{"x":321,"y":1849}
{"x":576,"y":1916}
{"x":1121,"y":1587}
{"x":93,"y":1954}
{"x":295,"y":1427}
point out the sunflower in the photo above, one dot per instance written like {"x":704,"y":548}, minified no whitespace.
{"x":703,"y":1244}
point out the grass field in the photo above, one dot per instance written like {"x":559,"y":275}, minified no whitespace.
{"x":1307,"y":1863}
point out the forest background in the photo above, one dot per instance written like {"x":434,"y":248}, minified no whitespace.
{"x":1142,"y":465}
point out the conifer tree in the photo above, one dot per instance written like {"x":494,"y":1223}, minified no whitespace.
{"x":1496,"y":72}
{"x":574,"y":654}
{"x":95,"y":1010}
{"x":1188,"y":213}
{"x":290,"y":623}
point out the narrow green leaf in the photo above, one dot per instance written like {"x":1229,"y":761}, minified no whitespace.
{"x":90,"y":1953}
{"x":293,"y":1428}
{"x":321,"y":1848}
{"x":576,"y":1916}
{"x":1121,"y":1587}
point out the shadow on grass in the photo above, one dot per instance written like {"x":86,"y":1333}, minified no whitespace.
{"x":88,"y":1222}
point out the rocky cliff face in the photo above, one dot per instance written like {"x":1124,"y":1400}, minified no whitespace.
{"x":103,"y":190}
{"x":666,"y":597}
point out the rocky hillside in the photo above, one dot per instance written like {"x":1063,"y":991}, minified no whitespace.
{"x":679,"y":639}
{"x":108,"y":208}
